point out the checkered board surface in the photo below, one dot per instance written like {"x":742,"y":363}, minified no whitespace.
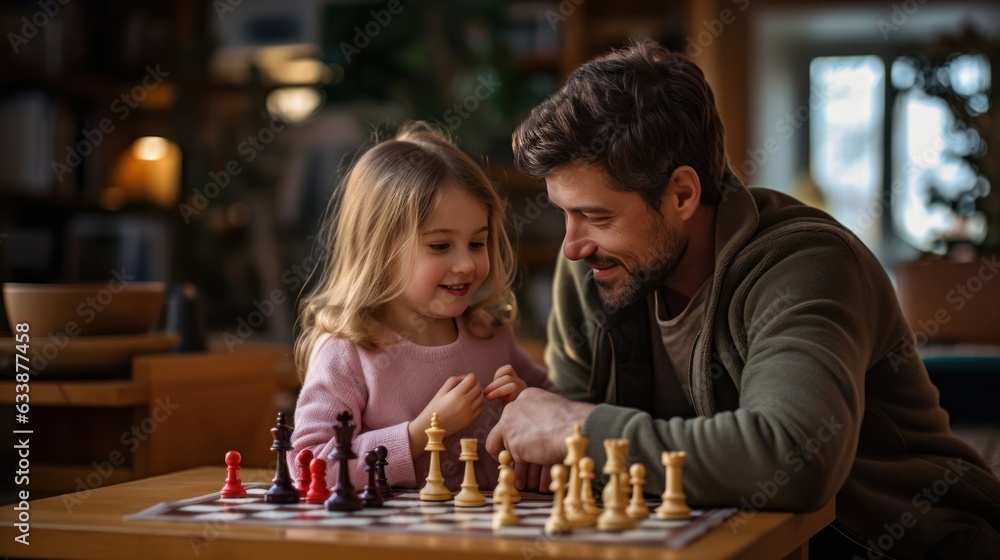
{"x":405,"y":513}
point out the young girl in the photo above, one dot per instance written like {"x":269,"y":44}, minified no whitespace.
{"x":412,"y":314}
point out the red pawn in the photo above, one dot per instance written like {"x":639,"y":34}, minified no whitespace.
{"x":304,"y":458}
{"x":234,"y":486}
{"x":318,"y":491}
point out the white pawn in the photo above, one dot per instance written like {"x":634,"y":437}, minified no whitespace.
{"x":588,"y":508}
{"x":637,"y":508}
{"x":505,"y":464}
{"x":576,"y":445}
{"x":503,"y":515}
{"x":557,"y":524}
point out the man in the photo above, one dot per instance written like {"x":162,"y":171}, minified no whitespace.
{"x":751,"y":331}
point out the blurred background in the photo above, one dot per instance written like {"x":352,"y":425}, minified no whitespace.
{"x":199,"y":141}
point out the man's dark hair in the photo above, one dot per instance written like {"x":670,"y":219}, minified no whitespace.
{"x":639,"y":113}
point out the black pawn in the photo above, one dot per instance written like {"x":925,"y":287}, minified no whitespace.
{"x":282,"y":492}
{"x":371,"y":495}
{"x":343,"y":497}
{"x":383,"y":485}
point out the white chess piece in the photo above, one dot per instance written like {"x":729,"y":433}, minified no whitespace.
{"x":503,"y":514}
{"x":557,"y":523}
{"x":637,"y":508}
{"x":434,"y":490}
{"x":470,"y":495}
{"x":576,"y":445}
{"x":674,"y":504}
{"x":505,"y":463}
{"x":589,"y":510}
{"x":614,"y":517}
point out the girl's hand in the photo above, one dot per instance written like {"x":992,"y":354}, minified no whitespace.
{"x":506,"y":385}
{"x":458,"y":403}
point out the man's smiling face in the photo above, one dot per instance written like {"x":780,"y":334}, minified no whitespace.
{"x":630,"y":247}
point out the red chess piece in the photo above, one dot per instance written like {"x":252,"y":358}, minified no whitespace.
{"x":234,"y":486}
{"x":318,"y":490}
{"x":304,"y":458}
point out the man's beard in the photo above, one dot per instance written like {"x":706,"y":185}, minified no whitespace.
{"x":641,"y":278}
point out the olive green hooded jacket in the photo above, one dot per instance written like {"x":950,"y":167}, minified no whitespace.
{"x":804,"y":382}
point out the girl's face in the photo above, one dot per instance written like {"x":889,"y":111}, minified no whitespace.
{"x":450,"y":264}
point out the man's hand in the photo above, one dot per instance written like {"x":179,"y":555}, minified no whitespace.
{"x":534,"y":429}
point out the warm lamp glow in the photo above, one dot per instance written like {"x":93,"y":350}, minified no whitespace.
{"x":151,"y":148}
{"x":149,"y":171}
{"x":299,"y":71}
{"x":293,"y":104}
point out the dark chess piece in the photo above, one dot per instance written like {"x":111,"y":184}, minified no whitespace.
{"x":318,"y":492}
{"x":234,"y":486}
{"x":371,"y":495}
{"x":383,"y":485}
{"x":184,"y":315}
{"x":282,"y":492}
{"x":343,"y":498}
{"x":304,"y":458}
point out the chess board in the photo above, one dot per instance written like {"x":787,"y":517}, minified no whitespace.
{"x":405,"y":513}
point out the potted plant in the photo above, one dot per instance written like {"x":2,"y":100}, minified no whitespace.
{"x":952,"y":293}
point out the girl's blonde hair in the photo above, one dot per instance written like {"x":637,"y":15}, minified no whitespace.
{"x":386,"y":198}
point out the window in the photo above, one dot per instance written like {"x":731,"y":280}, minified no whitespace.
{"x":846,"y":139}
{"x":934,"y":187}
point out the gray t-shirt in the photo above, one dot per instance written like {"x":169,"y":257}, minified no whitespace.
{"x":673,"y":338}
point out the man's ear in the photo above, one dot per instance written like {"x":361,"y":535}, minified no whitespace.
{"x":683,"y":192}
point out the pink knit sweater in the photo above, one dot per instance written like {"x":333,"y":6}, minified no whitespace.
{"x":386,"y":389}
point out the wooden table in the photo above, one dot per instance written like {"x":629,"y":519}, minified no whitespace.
{"x":92,"y":526}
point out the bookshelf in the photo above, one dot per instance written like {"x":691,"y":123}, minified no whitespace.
{"x":74,"y":97}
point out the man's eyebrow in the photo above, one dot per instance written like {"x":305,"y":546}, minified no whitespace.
{"x":446,"y":230}
{"x":586,"y":209}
